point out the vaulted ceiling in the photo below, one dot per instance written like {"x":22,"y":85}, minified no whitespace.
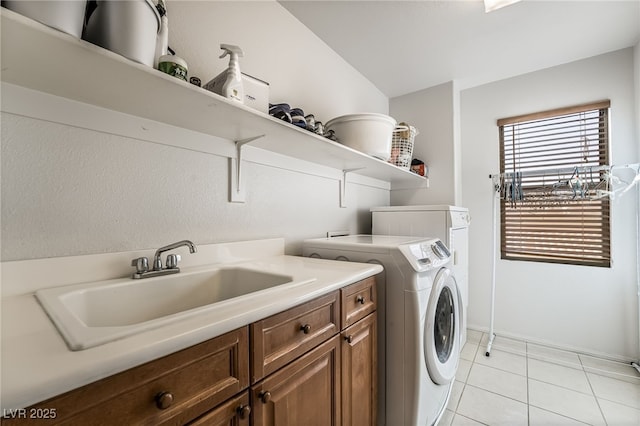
{"x":405,"y":46}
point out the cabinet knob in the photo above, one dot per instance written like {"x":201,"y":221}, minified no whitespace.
{"x":306,"y":329}
{"x":348,"y":338}
{"x":265,"y":396}
{"x":243,"y":411}
{"x":164,"y":400}
{"x":360,"y":299}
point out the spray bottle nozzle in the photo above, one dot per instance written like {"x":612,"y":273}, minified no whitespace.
{"x":230,"y":49}
{"x":162,"y":9}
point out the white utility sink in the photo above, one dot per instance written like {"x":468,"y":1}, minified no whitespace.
{"x":91,"y":314}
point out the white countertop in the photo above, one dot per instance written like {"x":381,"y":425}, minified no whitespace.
{"x":37,"y":364}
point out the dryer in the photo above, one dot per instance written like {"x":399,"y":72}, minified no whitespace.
{"x":418,"y":321}
{"x":448,"y":223}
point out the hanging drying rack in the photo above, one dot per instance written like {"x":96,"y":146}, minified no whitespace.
{"x":498,"y":182}
{"x":577,"y":183}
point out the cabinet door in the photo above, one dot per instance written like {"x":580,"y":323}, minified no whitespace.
{"x":359,"y":373}
{"x":235,"y":412}
{"x":306,"y":392}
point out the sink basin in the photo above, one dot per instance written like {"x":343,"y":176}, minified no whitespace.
{"x":91,"y":314}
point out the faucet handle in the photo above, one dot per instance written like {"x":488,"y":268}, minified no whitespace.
{"x":172,"y":261}
{"x":141,"y":264}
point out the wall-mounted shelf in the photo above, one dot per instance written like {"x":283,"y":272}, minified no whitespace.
{"x":43,"y":59}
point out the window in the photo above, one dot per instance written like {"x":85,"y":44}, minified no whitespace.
{"x":551,"y":170}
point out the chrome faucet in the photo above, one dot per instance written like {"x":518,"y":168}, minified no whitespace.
{"x":142,"y":263}
{"x":157,"y":260}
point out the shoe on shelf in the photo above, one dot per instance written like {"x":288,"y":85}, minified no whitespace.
{"x":281,"y":111}
{"x":297,"y":118}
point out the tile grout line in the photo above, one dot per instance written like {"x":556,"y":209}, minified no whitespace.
{"x":464,"y":384}
{"x":526,"y":347}
{"x":529,"y":405}
{"x":498,"y":394}
{"x":611,"y":374}
{"x":593,"y":391}
{"x":530,"y":354}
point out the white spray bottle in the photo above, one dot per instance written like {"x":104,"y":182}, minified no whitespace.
{"x":229,"y":82}
{"x":232,"y":86}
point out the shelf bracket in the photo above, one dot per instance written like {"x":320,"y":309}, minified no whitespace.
{"x":236,"y":183}
{"x":343,"y":186}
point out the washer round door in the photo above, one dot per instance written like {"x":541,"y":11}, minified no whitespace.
{"x":442,"y":329}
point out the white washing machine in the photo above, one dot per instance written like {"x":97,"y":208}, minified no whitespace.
{"x":418,"y":321}
{"x":449,"y":223}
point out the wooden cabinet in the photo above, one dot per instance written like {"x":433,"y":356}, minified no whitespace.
{"x":171,"y":390}
{"x":334,"y":384}
{"x":359,"y":354}
{"x":313,"y":364}
{"x":305,"y":392}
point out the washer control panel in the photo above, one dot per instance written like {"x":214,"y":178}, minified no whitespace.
{"x":425,"y":255}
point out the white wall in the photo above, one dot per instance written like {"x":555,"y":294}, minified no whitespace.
{"x":636,"y":73}
{"x":71,"y":187}
{"x":431,"y":111}
{"x":586,"y":308}
{"x":457,"y":145}
{"x":300,"y":68}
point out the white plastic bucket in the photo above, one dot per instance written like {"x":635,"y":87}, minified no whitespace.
{"x":63,"y":15}
{"x":126,"y":27}
{"x":369,"y":133}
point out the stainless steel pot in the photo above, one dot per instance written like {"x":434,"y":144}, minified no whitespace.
{"x":126,"y":27}
{"x":63,"y":15}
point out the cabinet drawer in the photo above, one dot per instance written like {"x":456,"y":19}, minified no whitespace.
{"x":358,"y":301}
{"x":235,"y":412}
{"x":192,"y":380}
{"x":281,"y":338}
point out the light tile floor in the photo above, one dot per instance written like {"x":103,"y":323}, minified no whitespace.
{"x":526,"y":384}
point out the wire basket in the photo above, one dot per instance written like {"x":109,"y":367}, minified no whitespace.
{"x":402,"y":145}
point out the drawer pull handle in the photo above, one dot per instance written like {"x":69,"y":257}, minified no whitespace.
{"x":306,"y":329}
{"x":243,"y":411}
{"x":164,"y":400}
{"x":360,"y":299}
{"x":348,"y":338}
{"x":265,"y":396}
